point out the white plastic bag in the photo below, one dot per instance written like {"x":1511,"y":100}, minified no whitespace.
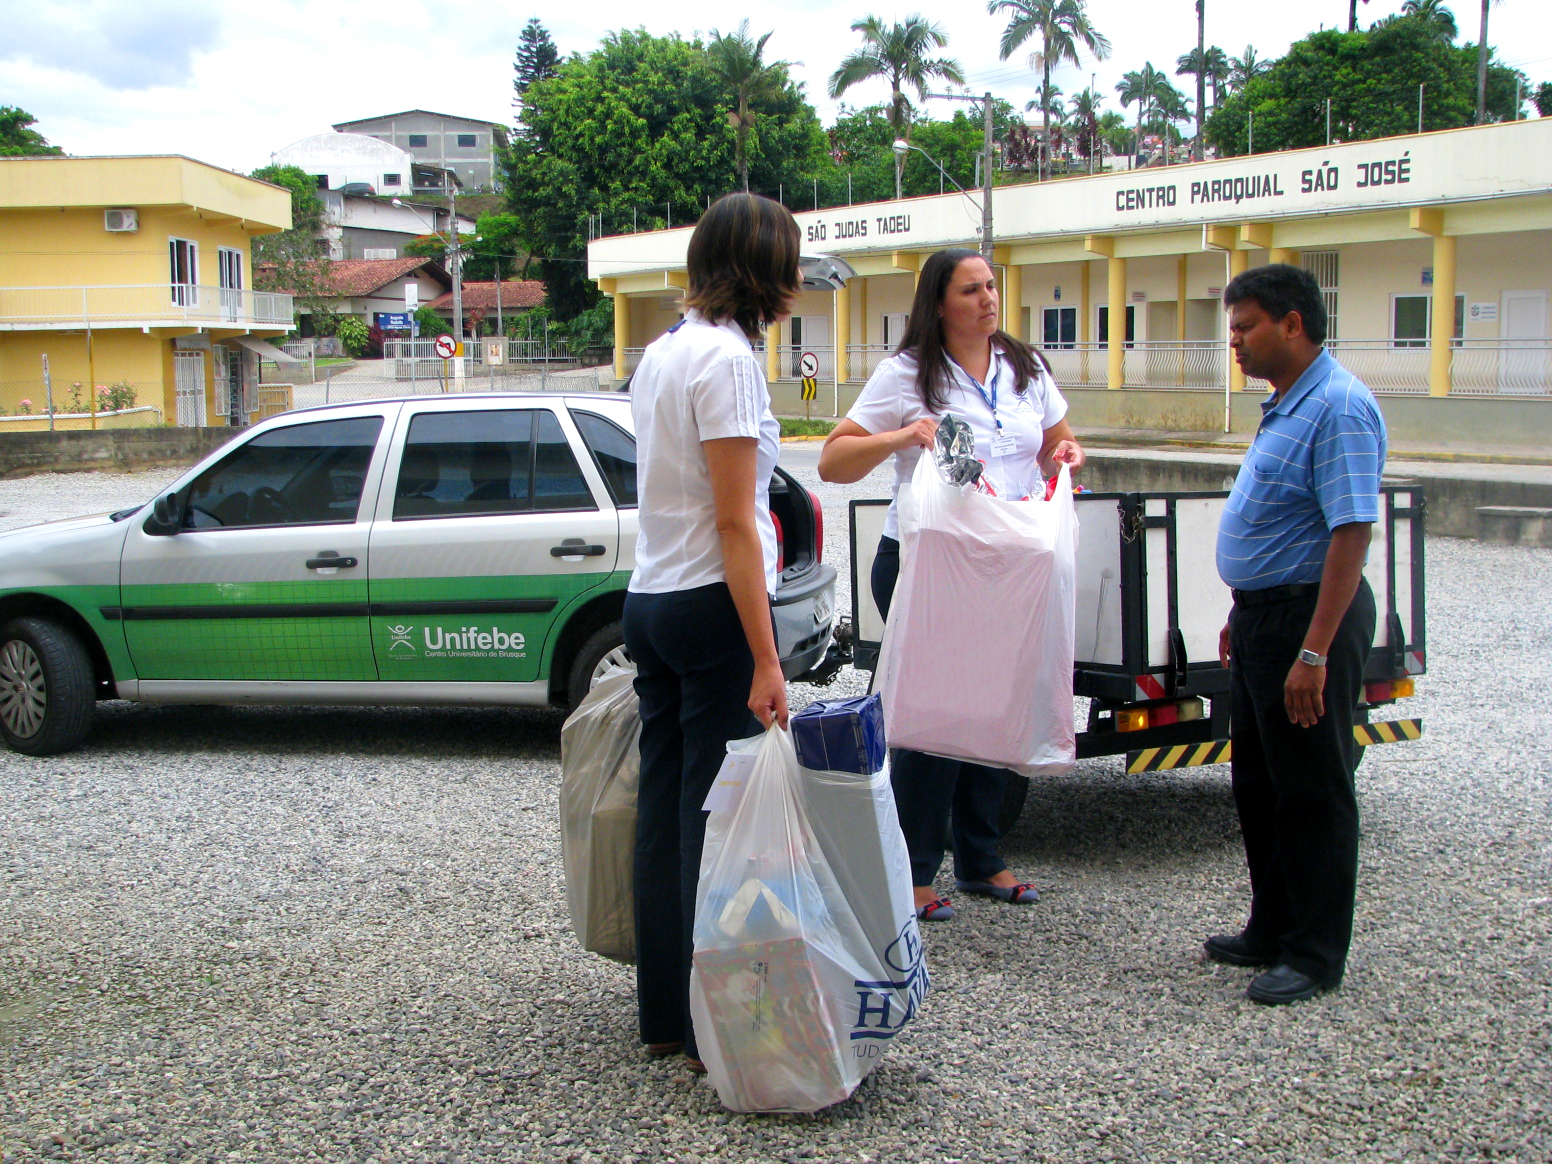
{"x":600,"y":763}
{"x":976,"y":661}
{"x":807,"y":957}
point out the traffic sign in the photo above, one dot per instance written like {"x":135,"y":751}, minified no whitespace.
{"x":810,"y":388}
{"x":393,"y":320}
{"x":446,"y":346}
{"x":808,"y":365}
{"x":411,"y":296}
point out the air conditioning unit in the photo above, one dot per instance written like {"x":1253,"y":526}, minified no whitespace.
{"x":121,"y":220}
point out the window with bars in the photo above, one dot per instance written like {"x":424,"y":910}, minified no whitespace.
{"x":1324,"y":266}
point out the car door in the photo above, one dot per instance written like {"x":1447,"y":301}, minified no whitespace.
{"x":266,"y":579}
{"x":491,"y":530}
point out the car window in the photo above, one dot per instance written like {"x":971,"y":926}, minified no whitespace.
{"x":614,"y":452}
{"x":466,"y":464}
{"x":303,"y":474}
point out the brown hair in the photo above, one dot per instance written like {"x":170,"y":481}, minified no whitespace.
{"x":924,"y":334}
{"x":743,"y":262}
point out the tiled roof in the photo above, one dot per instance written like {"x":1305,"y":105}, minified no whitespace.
{"x":516,"y":294}
{"x":354,"y":277}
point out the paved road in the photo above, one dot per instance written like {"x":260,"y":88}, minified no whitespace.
{"x":270,"y":935}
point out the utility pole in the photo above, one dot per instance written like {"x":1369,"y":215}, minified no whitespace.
{"x":455,"y":261}
{"x":986,"y":165}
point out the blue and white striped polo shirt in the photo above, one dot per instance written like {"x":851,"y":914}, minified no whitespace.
{"x":1315,"y":464}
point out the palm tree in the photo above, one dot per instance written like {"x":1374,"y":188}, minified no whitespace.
{"x":1048,"y":100}
{"x":1142,"y":86}
{"x":738,"y":60}
{"x":1245,"y":69}
{"x":1063,"y":27}
{"x":1482,"y":66}
{"x":1433,"y":12}
{"x":1085,"y":123}
{"x":1352,"y":15}
{"x":1201,"y":76}
{"x":1217,"y":71}
{"x":1170,"y":106}
{"x":1113,"y":132}
{"x":897,"y":53}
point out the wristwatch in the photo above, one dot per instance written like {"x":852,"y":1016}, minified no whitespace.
{"x":1310,"y":657}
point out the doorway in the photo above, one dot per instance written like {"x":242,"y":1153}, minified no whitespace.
{"x":1523,"y":363}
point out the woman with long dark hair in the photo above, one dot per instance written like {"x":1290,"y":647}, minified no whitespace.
{"x":953,"y":359}
{"x":697,"y":610}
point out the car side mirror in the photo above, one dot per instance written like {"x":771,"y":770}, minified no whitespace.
{"x":166,"y":516}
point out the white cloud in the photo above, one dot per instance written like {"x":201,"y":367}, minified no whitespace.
{"x":232,"y":82}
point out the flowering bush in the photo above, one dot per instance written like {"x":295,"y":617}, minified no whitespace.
{"x":115,"y":398}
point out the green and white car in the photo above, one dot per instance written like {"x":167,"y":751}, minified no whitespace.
{"x":469,"y":549}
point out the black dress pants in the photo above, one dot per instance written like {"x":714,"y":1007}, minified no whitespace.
{"x":940,"y":800}
{"x":693,"y":671}
{"x":1293,"y":786}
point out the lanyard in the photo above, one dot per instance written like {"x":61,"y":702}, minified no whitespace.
{"x":989,"y":397}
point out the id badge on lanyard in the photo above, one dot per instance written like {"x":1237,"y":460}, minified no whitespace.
{"x":1004,"y":444}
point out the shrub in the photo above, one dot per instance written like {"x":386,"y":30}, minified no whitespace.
{"x":115,"y":397}
{"x":353,"y":333}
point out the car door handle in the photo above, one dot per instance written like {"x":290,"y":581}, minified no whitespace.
{"x":576,"y":547}
{"x":329,"y":560}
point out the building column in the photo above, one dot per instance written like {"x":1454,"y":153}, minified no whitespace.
{"x":772,"y":351}
{"x":622,"y":328}
{"x":1441,"y":330}
{"x":1180,"y":318}
{"x":1116,"y":366}
{"x":1239,"y":263}
{"x":842,"y":333}
{"x":862,"y":315}
{"x":1084,"y":310}
{"x":1013,"y":301}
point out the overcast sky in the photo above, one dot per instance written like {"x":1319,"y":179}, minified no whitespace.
{"x":230,"y":82}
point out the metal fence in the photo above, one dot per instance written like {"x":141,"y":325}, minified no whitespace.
{"x":147,"y":303}
{"x":346,"y":388}
{"x":415,"y":360}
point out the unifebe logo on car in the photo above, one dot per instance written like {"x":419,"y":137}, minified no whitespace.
{"x":469,"y":550}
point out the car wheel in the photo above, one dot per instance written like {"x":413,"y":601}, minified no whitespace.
{"x":1015,"y":790}
{"x":604,"y":648}
{"x":47,"y":688}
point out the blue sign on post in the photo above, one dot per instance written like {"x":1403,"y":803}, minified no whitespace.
{"x":393,"y":321}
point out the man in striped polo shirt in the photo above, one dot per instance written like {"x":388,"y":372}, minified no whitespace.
{"x":1291,"y":544}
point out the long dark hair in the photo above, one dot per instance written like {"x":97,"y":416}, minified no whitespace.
{"x":743,"y":262}
{"x":924,"y":334}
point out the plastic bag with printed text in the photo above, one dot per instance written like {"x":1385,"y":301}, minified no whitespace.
{"x":600,"y":764}
{"x":976,"y":660}
{"x":807,"y":957}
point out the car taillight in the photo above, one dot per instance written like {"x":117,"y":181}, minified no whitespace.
{"x":781,"y":543}
{"x":818,"y":526}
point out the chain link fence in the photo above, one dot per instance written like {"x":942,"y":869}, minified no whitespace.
{"x":36,"y":406}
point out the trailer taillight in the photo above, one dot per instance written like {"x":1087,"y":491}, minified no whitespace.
{"x":1388,"y":689}
{"x":1131,"y":719}
{"x":813,"y":499}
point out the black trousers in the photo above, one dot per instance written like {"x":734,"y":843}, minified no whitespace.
{"x":693,"y":671}
{"x":1293,"y":786}
{"x":940,"y":800}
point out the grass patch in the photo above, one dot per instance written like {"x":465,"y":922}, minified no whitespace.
{"x":326,"y":361}
{"x":792,"y":426}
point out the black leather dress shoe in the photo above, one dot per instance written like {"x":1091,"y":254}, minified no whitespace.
{"x":1284,"y":984}
{"x":1237,"y":950}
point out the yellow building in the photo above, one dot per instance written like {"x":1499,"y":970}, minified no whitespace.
{"x":1453,"y":226}
{"x":125,"y":291}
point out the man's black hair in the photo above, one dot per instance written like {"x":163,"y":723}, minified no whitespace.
{"x":1280,"y":288}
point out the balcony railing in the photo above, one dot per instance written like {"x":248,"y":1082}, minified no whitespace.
{"x":142,"y":305}
{"x":1388,"y":367}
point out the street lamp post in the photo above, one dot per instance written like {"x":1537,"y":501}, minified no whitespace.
{"x":901,"y":147}
{"x":986,"y":165}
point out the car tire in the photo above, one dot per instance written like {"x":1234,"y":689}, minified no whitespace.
{"x":1015,"y":790}
{"x":604,"y":647}
{"x":47,"y":687}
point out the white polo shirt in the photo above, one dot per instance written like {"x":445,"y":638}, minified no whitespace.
{"x":890,"y":401}
{"x":699,"y":382}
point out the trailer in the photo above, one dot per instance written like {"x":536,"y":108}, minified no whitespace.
{"x":1150,"y":606}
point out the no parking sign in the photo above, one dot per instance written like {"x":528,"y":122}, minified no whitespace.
{"x":446,"y":346}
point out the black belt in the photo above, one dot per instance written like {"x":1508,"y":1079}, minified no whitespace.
{"x":1276,"y":594}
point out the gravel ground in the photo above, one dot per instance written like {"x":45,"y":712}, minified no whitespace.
{"x":339,"y":935}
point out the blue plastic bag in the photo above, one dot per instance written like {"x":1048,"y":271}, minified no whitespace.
{"x":841,"y":735}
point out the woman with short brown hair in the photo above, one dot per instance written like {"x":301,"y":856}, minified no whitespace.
{"x":697,"y":610}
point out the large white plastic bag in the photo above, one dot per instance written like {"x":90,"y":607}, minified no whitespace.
{"x":600,"y":763}
{"x":807,"y":957}
{"x":976,"y":662}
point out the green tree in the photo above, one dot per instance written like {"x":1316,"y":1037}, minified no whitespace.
{"x":1146,"y":87}
{"x":296,"y":260}
{"x":738,"y":60}
{"x":1243,"y":70}
{"x":1085,"y":107}
{"x":1372,"y":79}
{"x":629,"y":134}
{"x":1543,"y":99}
{"x":1114,"y":134}
{"x":1433,"y":13}
{"x":17,"y":140}
{"x":537,"y":59}
{"x":898,"y":54}
{"x":1062,"y":27}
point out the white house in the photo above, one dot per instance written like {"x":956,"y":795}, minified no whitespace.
{"x":340,"y":159}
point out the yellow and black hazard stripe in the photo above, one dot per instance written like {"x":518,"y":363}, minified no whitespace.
{"x":1393,"y":731}
{"x":810,"y":388}
{"x":1179,"y":756}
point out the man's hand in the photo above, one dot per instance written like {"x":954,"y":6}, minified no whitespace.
{"x":1223,"y":645}
{"x":1303,"y":694}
